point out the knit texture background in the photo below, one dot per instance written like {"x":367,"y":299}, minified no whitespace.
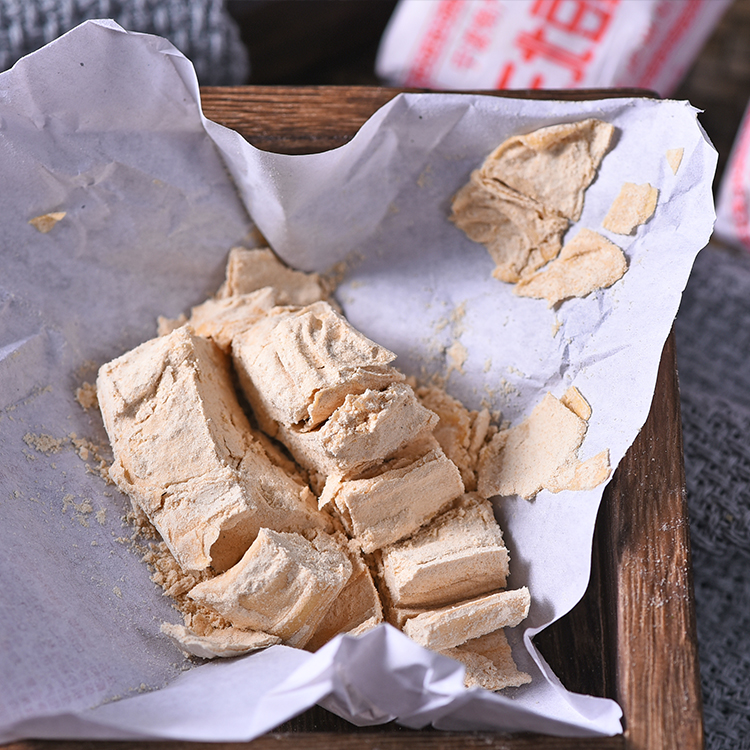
{"x":713,"y":353}
{"x":201,"y":29}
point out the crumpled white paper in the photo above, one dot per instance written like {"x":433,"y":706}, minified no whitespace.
{"x":105,"y":125}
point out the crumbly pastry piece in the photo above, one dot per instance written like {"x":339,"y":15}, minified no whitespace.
{"x":460,"y":432}
{"x":297,"y":366}
{"x":519,"y":233}
{"x":245,"y":553}
{"x":185,"y":453}
{"x":226,"y":642}
{"x":283,"y":585}
{"x":356,"y":610}
{"x":540,"y":453}
{"x":450,"y":626}
{"x":674,"y":158}
{"x":398,"y":497}
{"x":489,"y":662}
{"x":634,"y":206}
{"x":367,"y":428}
{"x":223,"y":319}
{"x":460,"y":554}
{"x":573,"y":399}
{"x":250,"y":270}
{"x":46,"y":222}
{"x":552,"y":165}
{"x":587,"y":263}
{"x":521,"y":200}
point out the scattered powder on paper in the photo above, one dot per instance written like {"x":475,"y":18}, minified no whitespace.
{"x":86,"y":396}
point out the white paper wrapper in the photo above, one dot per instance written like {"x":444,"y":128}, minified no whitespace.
{"x":106,"y":126}
{"x":519,"y":44}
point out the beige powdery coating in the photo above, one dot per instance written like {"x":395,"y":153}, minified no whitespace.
{"x":283,"y":585}
{"x":445,"y":628}
{"x":250,"y":270}
{"x":541,"y":453}
{"x":460,"y":554}
{"x":398,"y":497}
{"x":185,"y":453}
{"x":296,"y":366}
{"x":489,"y":662}
{"x":634,"y":206}
{"x":587,"y":263}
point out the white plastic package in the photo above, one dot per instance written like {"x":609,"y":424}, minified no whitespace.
{"x":545,"y":44}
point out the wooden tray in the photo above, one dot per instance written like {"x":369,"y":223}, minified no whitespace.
{"x":632,"y":637}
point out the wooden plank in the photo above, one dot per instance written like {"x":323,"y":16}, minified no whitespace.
{"x":647,"y":553}
{"x":362,"y":740}
{"x":306,"y":119}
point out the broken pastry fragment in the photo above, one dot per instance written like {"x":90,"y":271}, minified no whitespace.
{"x":541,"y":453}
{"x":552,"y":165}
{"x":674,"y":158}
{"x":634,"y":205}
{"x":226,"y":642}
{"x":460,"y":432}
{"x":297,"y":365}
{"x":250,"y":270}
{"x":256,"y":280}
{"x":518,"y":232}
{"x":489,"y":662}
{"x":283,"y":585}
{"x":587,"y":263}
{"x":460,"y":554}
{"x":186,"y":455}
{"x":46,"y":222}
{"x":397,"y":497}
{"x":447,"y":627}
{"x":366,"y":429}
{"x":222,"y":319}
{"x":356,"y":610}
{"x":520,"y":201}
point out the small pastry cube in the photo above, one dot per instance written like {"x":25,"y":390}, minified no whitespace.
{"x":458,"y":555}
{"x":444,"y":628}
{"x":398,"y":497}
{"x":283,"y":585}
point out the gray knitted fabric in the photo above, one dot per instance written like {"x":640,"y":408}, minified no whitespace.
{"x":201,"y":29}
{"x":713,"y":352}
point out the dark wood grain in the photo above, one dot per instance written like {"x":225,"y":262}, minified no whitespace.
{"x":361,"y":740}
{"x":650,"y":596}
{"x":632,"y":637}
{"x":306,"y":119}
